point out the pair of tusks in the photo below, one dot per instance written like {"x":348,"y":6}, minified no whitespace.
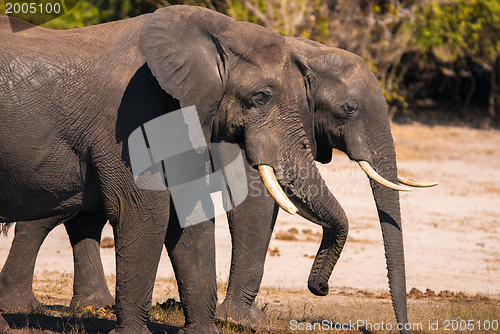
{"x":368,"y":169}
{"x":277,"y":193}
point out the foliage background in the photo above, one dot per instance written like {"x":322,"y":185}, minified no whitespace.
{"x":435,"y":59}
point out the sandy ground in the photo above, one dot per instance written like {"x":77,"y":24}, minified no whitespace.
{"x":451,"y":232}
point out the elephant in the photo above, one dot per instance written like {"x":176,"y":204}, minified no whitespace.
{"x":71,"y":100}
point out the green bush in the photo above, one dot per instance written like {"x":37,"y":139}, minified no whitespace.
{"x":454,"y":35}
{"x":453,"y":30}
{"x":82,"y":15}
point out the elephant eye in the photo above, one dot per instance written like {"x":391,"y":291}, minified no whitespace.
{"x":261,"y":98}
{"x":349,"y":108}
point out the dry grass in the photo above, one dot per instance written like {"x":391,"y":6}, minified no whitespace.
{"x":287,"y":236}
{"x":294,"y":234}
{"x":287,"y":310}
{"x":364,"y":313}
{"x":274,"y":251}
{"x":363,"y":241}
{"x":108,"y":243}
{"x":348,"y":307}
{"x":491,"y":190}
{"x":420,"y":142}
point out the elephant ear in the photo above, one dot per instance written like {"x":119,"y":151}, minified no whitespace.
{"x":304,"y":54}
{"x":185,"y":55}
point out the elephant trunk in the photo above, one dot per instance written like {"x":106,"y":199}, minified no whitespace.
{"x":314,"y":201}
{"x":388,"y":208}
{"x":292,"y":169}
{"x":329,"y":251}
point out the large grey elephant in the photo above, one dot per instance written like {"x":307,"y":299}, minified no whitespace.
{"x":69,"y":100}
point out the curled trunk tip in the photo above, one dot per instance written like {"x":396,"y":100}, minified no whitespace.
{"x":318,"y":288}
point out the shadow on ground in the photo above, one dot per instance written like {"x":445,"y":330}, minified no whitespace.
{"x":45,"y":323}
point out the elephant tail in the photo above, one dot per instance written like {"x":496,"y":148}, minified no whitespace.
{"x":4,"y":228}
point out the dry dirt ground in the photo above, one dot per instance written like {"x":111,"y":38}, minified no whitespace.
{"x":451,"y":235}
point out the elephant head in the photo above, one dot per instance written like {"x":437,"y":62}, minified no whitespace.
{"x":238,"y":75}
{"x":347,"y":111}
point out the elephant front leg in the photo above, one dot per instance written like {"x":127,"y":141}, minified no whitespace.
{"x":16,"y":278}
{"x":251,"y":225}
{"x":139,"y":240}
{"x":192,"y":252}
{"x":89,"y":284}
{"x":139,"y":218}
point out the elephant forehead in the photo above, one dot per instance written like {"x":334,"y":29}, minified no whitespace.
{"x":253,"y":75}
{"x":350,"y":82}
{"x":255,"y":36}
{"x":268,"y":57}
{"x":253,"y":80}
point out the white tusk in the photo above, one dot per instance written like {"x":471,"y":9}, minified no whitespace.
{"x":365,"y":166}
{"x":412,"y":183}
{"x":272,"y":185}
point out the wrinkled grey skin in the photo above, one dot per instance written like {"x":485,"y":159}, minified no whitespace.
{"x":70,"y":99}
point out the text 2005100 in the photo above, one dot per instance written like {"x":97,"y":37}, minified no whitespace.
{"x":32,"y":8}
{"x":471,"y":325}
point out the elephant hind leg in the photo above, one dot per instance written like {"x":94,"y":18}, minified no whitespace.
{"x":89,"y":284}
{"x":16,"y":277}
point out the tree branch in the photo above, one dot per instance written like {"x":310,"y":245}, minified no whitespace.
{"x":256,"y":12}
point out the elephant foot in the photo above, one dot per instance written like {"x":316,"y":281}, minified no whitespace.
{"x":97,"y":300}
{"x":4,"y":326}
{"x":197,"y":329}
{"x":15,"y":301}
{"x":241,"y":314}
